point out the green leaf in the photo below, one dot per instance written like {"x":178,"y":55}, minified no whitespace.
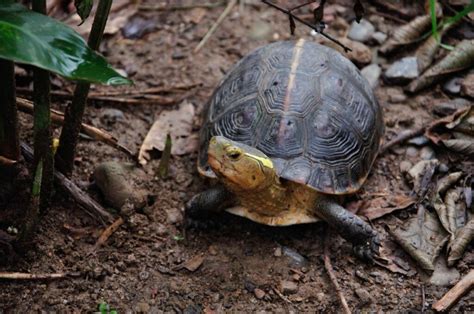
{"x":32,"y":38}
{"x":83,"y":8}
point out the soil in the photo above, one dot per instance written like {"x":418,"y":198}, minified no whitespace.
{"x":241,"y":266}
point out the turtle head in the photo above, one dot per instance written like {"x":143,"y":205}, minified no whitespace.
{"x":240,"y":166}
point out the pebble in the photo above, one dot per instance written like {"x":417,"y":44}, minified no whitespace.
{"x":427,"y":153}
{"x":111,"y":116}
{"x":419,"y":140}
{"x":372,"y":73}
{"x":453,"y":85}
{"x":259,"y":293}
{"x":144,"y":275}
{"x":443,"y":168}
{"x":362,"y":31}
{"x":297,"y":259}
{"x":405,"y":166}
{"x":320,"y":296}
{"x":288,"y":287}
{"x":364,"y":296}
{"x":412,"y":151}
{"x":361,"y":275}
{"x":395,"y":96}
{"x":277,"y":252}
{"x":403,"y":70}
{"x":173,"y":216}
{"x":379,"y":37}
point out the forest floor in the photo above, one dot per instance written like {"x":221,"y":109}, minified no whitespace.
{"x":239,"y":266}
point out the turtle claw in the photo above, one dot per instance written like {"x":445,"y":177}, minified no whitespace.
{"x":199,"y":224}
{"x":367,"y":250}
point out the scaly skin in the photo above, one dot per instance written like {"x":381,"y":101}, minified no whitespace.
{"x":253,"y":190}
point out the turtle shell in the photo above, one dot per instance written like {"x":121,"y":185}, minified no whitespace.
{"x":305,"y":106}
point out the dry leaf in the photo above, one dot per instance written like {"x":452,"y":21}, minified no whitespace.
{"x":422,"y":237}
{"x":462,"y":57}
{"x":382,"y":206}
{"x":194,"y":263}
{"x":179,"y":124}
{"x":463,"y":237}
{"x":421,"y":175}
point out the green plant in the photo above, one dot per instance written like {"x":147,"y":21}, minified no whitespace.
{"x":31,"y":37}
{"x":104,"y":308}
{"x":447,"y":22}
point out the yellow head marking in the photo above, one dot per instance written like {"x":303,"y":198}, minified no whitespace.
{"x":265,"y":161}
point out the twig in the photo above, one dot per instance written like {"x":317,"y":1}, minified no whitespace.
{"x":149,"y":99}
{"x":402,"y":137}
{"x":221,"y":18}
{"x":423,"y":298}
{"x":28,"y":276}
{"x":108,"y":232}
{"x":281,"y":295}
{"x":332,"y":276}
{"x":57,"y":117}
{"x":208,"y":5}
{"x":91,"y":207}
{"x":312,"y":26}
{"x":455,"y":293}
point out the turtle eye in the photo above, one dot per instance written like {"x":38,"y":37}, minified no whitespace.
{"x":234,"y":153}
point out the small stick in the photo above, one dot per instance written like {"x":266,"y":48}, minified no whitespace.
{"x":455,"y":293}
{"x":281,"y":295}
{"x":221,"y":18}
{"x":316,"y":28}
{"x":208,"y":5}
{"x":108,"y":232}
{"x":28,"y":276}
{"x":332,"y":276}
{"x":91,"y":207}
{"x":402,"y":138}
{"x":57,"y":117}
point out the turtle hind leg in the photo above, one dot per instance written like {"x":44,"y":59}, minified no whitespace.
{"x":351,"y":227}
{"x":201,"y":207}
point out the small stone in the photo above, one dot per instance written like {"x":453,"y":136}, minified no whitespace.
{"x":372,"y":74}
{"x":111,"y":116}
{"x":379,"y":37}
{"x":288,"y":287}
{"x":419,"y":141}
{"x":453,"y":86}
{"x":443,"y":168}
{"x":427,"y":153}
{"x":178,"y":55}
{"x":362,"y":31}
{"x":403,"y":70}
{"x":131,"y":259}
{"x":320,"y":296}
{"x":212,"y":250}
{"x":173,"y":216}
{"x":405,"y":166}
{"x":364,"y":296}
{"x":296,"y":277}
{"x":395,"y":96}
{"x":144,"y":275}
{"x":259,"y":293}
{"x":412,"y":151}
{"x":142,"y":307}
{"x":277,"y":252}
{"x":361,"y":275}
{"x":297,"y":260}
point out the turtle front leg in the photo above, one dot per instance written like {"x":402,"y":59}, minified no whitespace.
{"x":351,"y":227}
{"x":206,"y":204}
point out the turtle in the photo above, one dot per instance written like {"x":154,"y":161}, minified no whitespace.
{"x":290,"y":129}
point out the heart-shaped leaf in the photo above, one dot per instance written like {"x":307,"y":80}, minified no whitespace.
{"x":32,"y":38}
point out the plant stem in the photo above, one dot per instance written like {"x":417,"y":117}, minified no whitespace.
{"x":9,"y":138}
{"x":75,"y":111}
{"x":42,"y":124}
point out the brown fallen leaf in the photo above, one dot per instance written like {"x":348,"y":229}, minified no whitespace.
{"x":191,"y":264}
{"x":422,"y":237}
{"x":455,"y":132}
{"x":382,"y":206}
{"x":462,"y":57}
{"x":421,"y":175}
{"x":438,"y":203}
{"x":391,"y":257}
{"x":179,"y":125}
{"x":463,"y":237}
{"x":407,"y":34}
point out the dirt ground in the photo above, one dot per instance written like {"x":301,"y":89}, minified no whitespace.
{"x":138,"y":268}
